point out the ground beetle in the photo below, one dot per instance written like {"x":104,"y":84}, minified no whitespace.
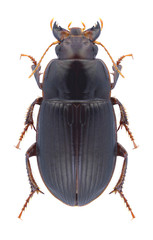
{"x":76,"y":134}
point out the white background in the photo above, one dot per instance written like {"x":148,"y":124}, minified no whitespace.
{"x":25,"y":29}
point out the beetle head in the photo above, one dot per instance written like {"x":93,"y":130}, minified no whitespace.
{"x":75,"y":42}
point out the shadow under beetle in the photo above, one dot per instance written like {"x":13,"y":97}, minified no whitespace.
{"x":76,"y":135}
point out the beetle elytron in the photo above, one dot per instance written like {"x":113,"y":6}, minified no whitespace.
{"x":76,"y":134}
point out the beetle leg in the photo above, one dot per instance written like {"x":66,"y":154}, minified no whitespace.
{"x":38,"y":65}
{"x":37,"y":75}
{"x":29,"y":119}
{"x":118,"y":188}
{"x":115,"y":75}
{"x":124,"y":119}
{"x":29,"y":115}
{"x":34,"y":187}
{"x":119,"y":66}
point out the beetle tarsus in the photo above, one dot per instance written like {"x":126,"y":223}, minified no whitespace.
{"x":121,"y":58}
{"x":28,"y":199}
{"x":32,"y":59}
{"x":116,"y":73}
{"x":118,"y":188}
{"x":22,"y":135}
{"x":125,"y":200}
{"x":26,"y":203}
{"x":130,"y":135}
{"x":127,"y":204}
{"x":37,"y":72}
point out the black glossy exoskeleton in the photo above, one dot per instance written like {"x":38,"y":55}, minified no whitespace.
{"x":76,"y":145}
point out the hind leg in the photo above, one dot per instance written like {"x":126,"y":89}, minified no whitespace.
{"x":119,"y":186}
{"x":34,"y":187}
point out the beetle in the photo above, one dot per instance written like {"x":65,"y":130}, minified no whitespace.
{"x":76,"y":135}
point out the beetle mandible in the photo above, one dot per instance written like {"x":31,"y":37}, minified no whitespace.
{"x":76,"y":135}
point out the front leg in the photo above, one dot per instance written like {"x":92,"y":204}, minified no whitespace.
{"x":37,"y":72}
{"x":37,"y":75}
{"x":115,"y":72}
{"x":115,"y":75}
{"x":29,"y":119}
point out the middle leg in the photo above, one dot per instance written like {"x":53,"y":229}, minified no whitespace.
{"x":29,"y":119}
{"x":124,"y":119}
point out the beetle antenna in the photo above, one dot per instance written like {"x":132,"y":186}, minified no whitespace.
{"x":56,"y":42}
{"x":99,"y":43}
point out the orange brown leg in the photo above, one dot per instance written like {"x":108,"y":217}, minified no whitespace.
{"x":34,"y":187}
{"x":29,"y":119}
{"x":37,"y":72}
{"x":124,"y":119}
{"x":119,"y":186}
{"x":119,"y":66}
